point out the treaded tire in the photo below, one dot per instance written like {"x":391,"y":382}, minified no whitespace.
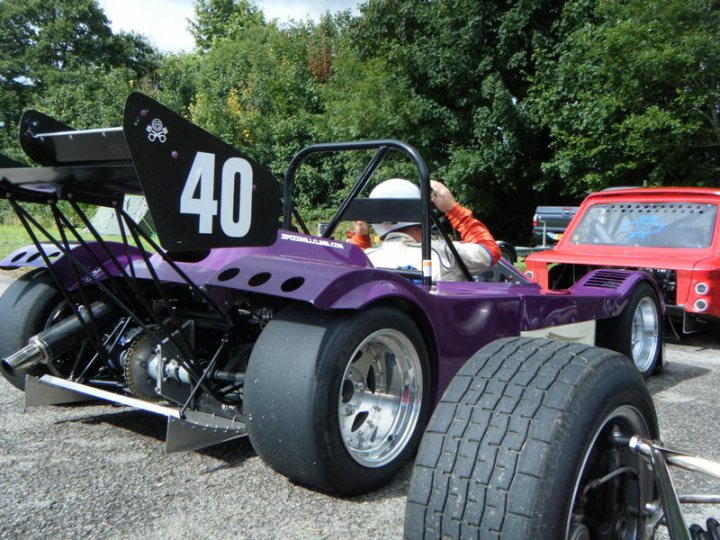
{"x":617,"y":333}
{"x":296,"y":383}
{"x":507,"y":446}
{"x":25,"y":307}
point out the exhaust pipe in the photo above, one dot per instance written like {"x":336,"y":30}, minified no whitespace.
{"x":33,"y":353}
{"x":56,"y":340}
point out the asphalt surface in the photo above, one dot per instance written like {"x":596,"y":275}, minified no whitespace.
{"x":101,"y":471}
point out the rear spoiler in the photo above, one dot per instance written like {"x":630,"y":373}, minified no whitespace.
{"x":201,"y":192}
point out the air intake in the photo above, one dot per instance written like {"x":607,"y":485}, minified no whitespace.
{"x":605,"y":279}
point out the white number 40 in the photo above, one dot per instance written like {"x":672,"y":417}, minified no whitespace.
{"x":198,"y":195}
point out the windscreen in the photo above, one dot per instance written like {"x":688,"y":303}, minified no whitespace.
{"x":662,"y":224}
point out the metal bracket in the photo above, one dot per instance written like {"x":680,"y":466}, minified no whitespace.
{"x":194,"y":431}
{"x":37,"y":394}
{"x":200,"y":430}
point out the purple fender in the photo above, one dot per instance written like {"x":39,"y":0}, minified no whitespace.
{"x":89,"y":256}
{"x":599,"y":294}
{"x":323,"y":272}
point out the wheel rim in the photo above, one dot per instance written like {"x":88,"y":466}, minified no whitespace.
{"x":380,"y":398}
{"x":630,"y":490}
{"x":645,"y":333}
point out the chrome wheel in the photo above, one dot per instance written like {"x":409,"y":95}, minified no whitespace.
{"x":645,"y":334}
{"x":380,"y":398}
{"x":611,"y":472}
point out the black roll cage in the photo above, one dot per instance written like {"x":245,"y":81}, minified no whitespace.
{"x":377,"y":210}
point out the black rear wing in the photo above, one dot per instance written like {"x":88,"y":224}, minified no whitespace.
{"x":201,"y":192}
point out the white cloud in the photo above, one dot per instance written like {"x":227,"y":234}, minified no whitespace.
{"x":164,"y":22}
{"x":285,"y":10}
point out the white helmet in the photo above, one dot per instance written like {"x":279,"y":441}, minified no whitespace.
{"x":395,"y":188}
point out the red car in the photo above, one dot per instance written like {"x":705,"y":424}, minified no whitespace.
{"x":672,"y":233}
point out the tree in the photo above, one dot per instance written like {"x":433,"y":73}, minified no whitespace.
{"x":61,"y":57}
{"x":222,"y":19}
{"x":53,"y":53}
{"x":257,"y":93}
{"x":635,"y":97}
{"x":40,"y":37}
{"x":471,"y":66}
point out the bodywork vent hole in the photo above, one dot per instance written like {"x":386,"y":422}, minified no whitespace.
{"x":292,"y":284}
{"x":259,"y":279}
{"x":32,"y":257}
{"x":228,"y":274}
{"x":19,"y":256}
{"x":606,"y":280}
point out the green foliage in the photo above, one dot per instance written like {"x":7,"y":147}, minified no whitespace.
{"x":513,"y":104}
{"x":470,"y":65}
{"x":86,"y":97}
{"x":257,"y":94}
{"x":177,"y":81}
{"x":62,"y":57}
{"x":634,"y":98}
{"x":12,"y":237}
{"x":216,"y":20}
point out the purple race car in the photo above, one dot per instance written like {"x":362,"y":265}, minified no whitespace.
{"x":243,"y":323}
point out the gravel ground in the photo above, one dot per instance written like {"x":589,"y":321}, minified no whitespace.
{"x":100,"y":471}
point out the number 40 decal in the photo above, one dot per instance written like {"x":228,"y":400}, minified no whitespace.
{"x":198,"y":195}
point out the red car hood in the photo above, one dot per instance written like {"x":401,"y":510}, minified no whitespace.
{"x":635,"y":257}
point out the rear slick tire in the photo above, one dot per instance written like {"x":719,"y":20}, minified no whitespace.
{"x":26,"y":308}
{"x":518,"y":436}
{"x":338,"y":401}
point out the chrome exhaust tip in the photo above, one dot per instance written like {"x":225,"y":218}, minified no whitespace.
{"x":30,"y":355}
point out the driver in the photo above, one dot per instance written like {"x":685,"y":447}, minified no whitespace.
{"x":401,"y":242}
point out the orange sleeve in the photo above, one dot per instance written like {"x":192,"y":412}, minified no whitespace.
{"x":360,"y":240}
{"x":473,"y":231}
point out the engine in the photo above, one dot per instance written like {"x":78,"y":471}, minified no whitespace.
{"x":191,"y":357}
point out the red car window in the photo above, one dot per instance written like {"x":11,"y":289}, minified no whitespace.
{"x":672,"y":225}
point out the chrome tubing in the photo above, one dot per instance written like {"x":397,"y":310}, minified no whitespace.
{"x":699,"y":499}
{"x":659,"y":459}
{"x":674,"y":518}
{"x":681,"y":460}
{"x":693,"y":463}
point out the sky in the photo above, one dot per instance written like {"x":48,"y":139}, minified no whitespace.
{"x":164,"y":22}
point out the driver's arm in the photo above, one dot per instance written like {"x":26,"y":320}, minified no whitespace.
{"x":360,"y":236}
{"x":471,"y":230}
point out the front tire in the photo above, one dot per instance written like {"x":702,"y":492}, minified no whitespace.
{"x":521,"y":432}
{"x":637,"y":331}
{"x":338,"y":401}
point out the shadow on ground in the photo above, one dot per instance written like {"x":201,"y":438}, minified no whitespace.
{"x":673,"y":375}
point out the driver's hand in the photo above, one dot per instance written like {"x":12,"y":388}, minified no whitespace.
{"x":441,"y":196}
